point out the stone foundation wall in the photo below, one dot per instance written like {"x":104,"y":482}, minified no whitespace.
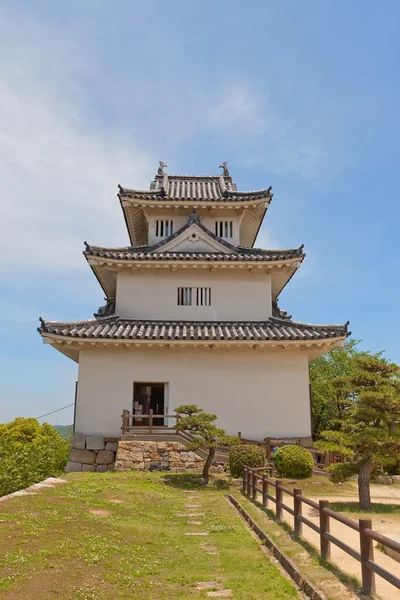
{"x":92,"y":453}
{"x":156,"y":456}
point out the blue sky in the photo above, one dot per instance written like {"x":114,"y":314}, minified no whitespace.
{"x":303,"y":96}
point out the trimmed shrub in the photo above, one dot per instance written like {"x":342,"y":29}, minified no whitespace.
{"x":342,"y":471}
{"x":294,"y":461}
{"x":245,"y":456}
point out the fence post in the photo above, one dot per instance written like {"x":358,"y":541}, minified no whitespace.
{"x":278,"y":497}
{"x":244,"y":479}
{"x":265,"y":491}
{"x":239,"y":435}
{"x":125,"y":421}
{"x":151,"y":420}
{"x":367,"y":553}
{"x":324,"y":525}
{"x":253,"y":485}
{"x":298,"y":525}
{"x":248,"y":481}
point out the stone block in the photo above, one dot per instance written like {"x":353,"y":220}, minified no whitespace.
{"x":82,"y":456}
{"x":78,"y":441}
{"x":110,"y":439}
{"x":396,"y":478}
{"x":386,"y":479}
{"x":113,"y":446}
{"x":88,"y":467}
{"x":73,"y":467}
{"x":95,"y":442}
{"x":101,"y":468}
{"x":111,"y":467}
{"x":162,"y":446}
{"x":105,"y":457}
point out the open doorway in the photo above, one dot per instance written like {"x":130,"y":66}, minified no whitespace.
{"x":148,"y":396}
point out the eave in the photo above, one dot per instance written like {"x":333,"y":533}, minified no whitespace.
{"x":253,"y":214}
{"x":106,"y":270}
{"x":71,"y":347}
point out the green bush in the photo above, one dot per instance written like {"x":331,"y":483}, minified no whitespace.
{"x":245,"y":456}
{"x":342,"y":471}
{"x":294,"y":461}
{"x":29,"y":452}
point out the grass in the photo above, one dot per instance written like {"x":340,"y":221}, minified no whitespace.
{"x":321,"y":486}
{"x":51,"y":546}
{"x":377,"y":508}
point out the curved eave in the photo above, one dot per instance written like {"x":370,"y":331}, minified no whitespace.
{"x":105,"y":270}
{"x":71,"y":346}
{"x":152,"y":200}
{"x":136,"y":222}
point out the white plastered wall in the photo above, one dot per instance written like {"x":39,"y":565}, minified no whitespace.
{"x":258,"y":392}
{"x":235,"y":295}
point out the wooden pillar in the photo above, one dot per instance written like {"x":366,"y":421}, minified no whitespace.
{"x":298,"y":511}
{"x":125,"y":421}
{"x":151,"y":420}
{"x":278,"y":497}
{"x":248,"y":481}
{"x":253,"y":485}
{"x":367,"y":553}
{"x":324,"y":524}
{"x":265,"y":491}
{"x":244,"y":479}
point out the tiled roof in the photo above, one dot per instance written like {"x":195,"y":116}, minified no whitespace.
{"x":241,"y":254}
{"x":187,"y":187}
{"x":258,"y":331}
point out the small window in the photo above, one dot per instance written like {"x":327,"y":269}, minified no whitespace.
{"x":164,"y":228}
{"x":194,"y":296}
{"x":224,"y":229}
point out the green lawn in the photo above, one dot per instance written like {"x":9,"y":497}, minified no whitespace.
{"x":132,"y":546}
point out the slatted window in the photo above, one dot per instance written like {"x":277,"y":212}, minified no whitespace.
{"x":188,"y":296}
{"x":164,"y":228}
{"x":224,"y":229}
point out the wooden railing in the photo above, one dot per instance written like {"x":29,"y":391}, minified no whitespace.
{"x":365,"y":555}
{"x":129,"y":422}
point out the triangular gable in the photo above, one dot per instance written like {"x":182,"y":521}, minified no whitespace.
{"x":194,"y":237}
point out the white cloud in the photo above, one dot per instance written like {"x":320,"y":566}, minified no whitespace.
{"x":267,"y":139}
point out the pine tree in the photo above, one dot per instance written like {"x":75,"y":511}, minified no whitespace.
{"x":206,"y":434}
{"x":371,"y":430}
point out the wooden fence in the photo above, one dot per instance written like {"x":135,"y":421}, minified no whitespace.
{"x":129,"y":422}
{"x":253,"y":479}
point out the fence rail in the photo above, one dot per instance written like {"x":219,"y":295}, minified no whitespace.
{"x":365,"y":554}
{"x":129,"y":422}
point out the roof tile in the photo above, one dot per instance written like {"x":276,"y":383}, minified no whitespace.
{"x":116,"y":328}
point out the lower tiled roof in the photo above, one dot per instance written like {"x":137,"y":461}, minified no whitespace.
{"x":241,"y":254}
{"x":127,"y":329}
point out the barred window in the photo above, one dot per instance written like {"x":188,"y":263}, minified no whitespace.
{"x":224,"y":229}
{"x":164,"y":228}
{"x":197,"y":296}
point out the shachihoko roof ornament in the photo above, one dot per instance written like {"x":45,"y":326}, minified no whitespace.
{"x":161,"y":168}
{"x":224,"y":166}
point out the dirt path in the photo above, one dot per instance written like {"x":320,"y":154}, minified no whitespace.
{"x":383,"y":523}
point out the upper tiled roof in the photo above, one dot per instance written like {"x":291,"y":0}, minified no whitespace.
{"x":194,"y":187}
{"x":241,"y":254}
{"x":258,"y":331}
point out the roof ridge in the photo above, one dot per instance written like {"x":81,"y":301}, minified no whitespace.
{"x":303,"y":324}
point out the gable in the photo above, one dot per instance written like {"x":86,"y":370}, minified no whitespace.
{"x":194,"y":238}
